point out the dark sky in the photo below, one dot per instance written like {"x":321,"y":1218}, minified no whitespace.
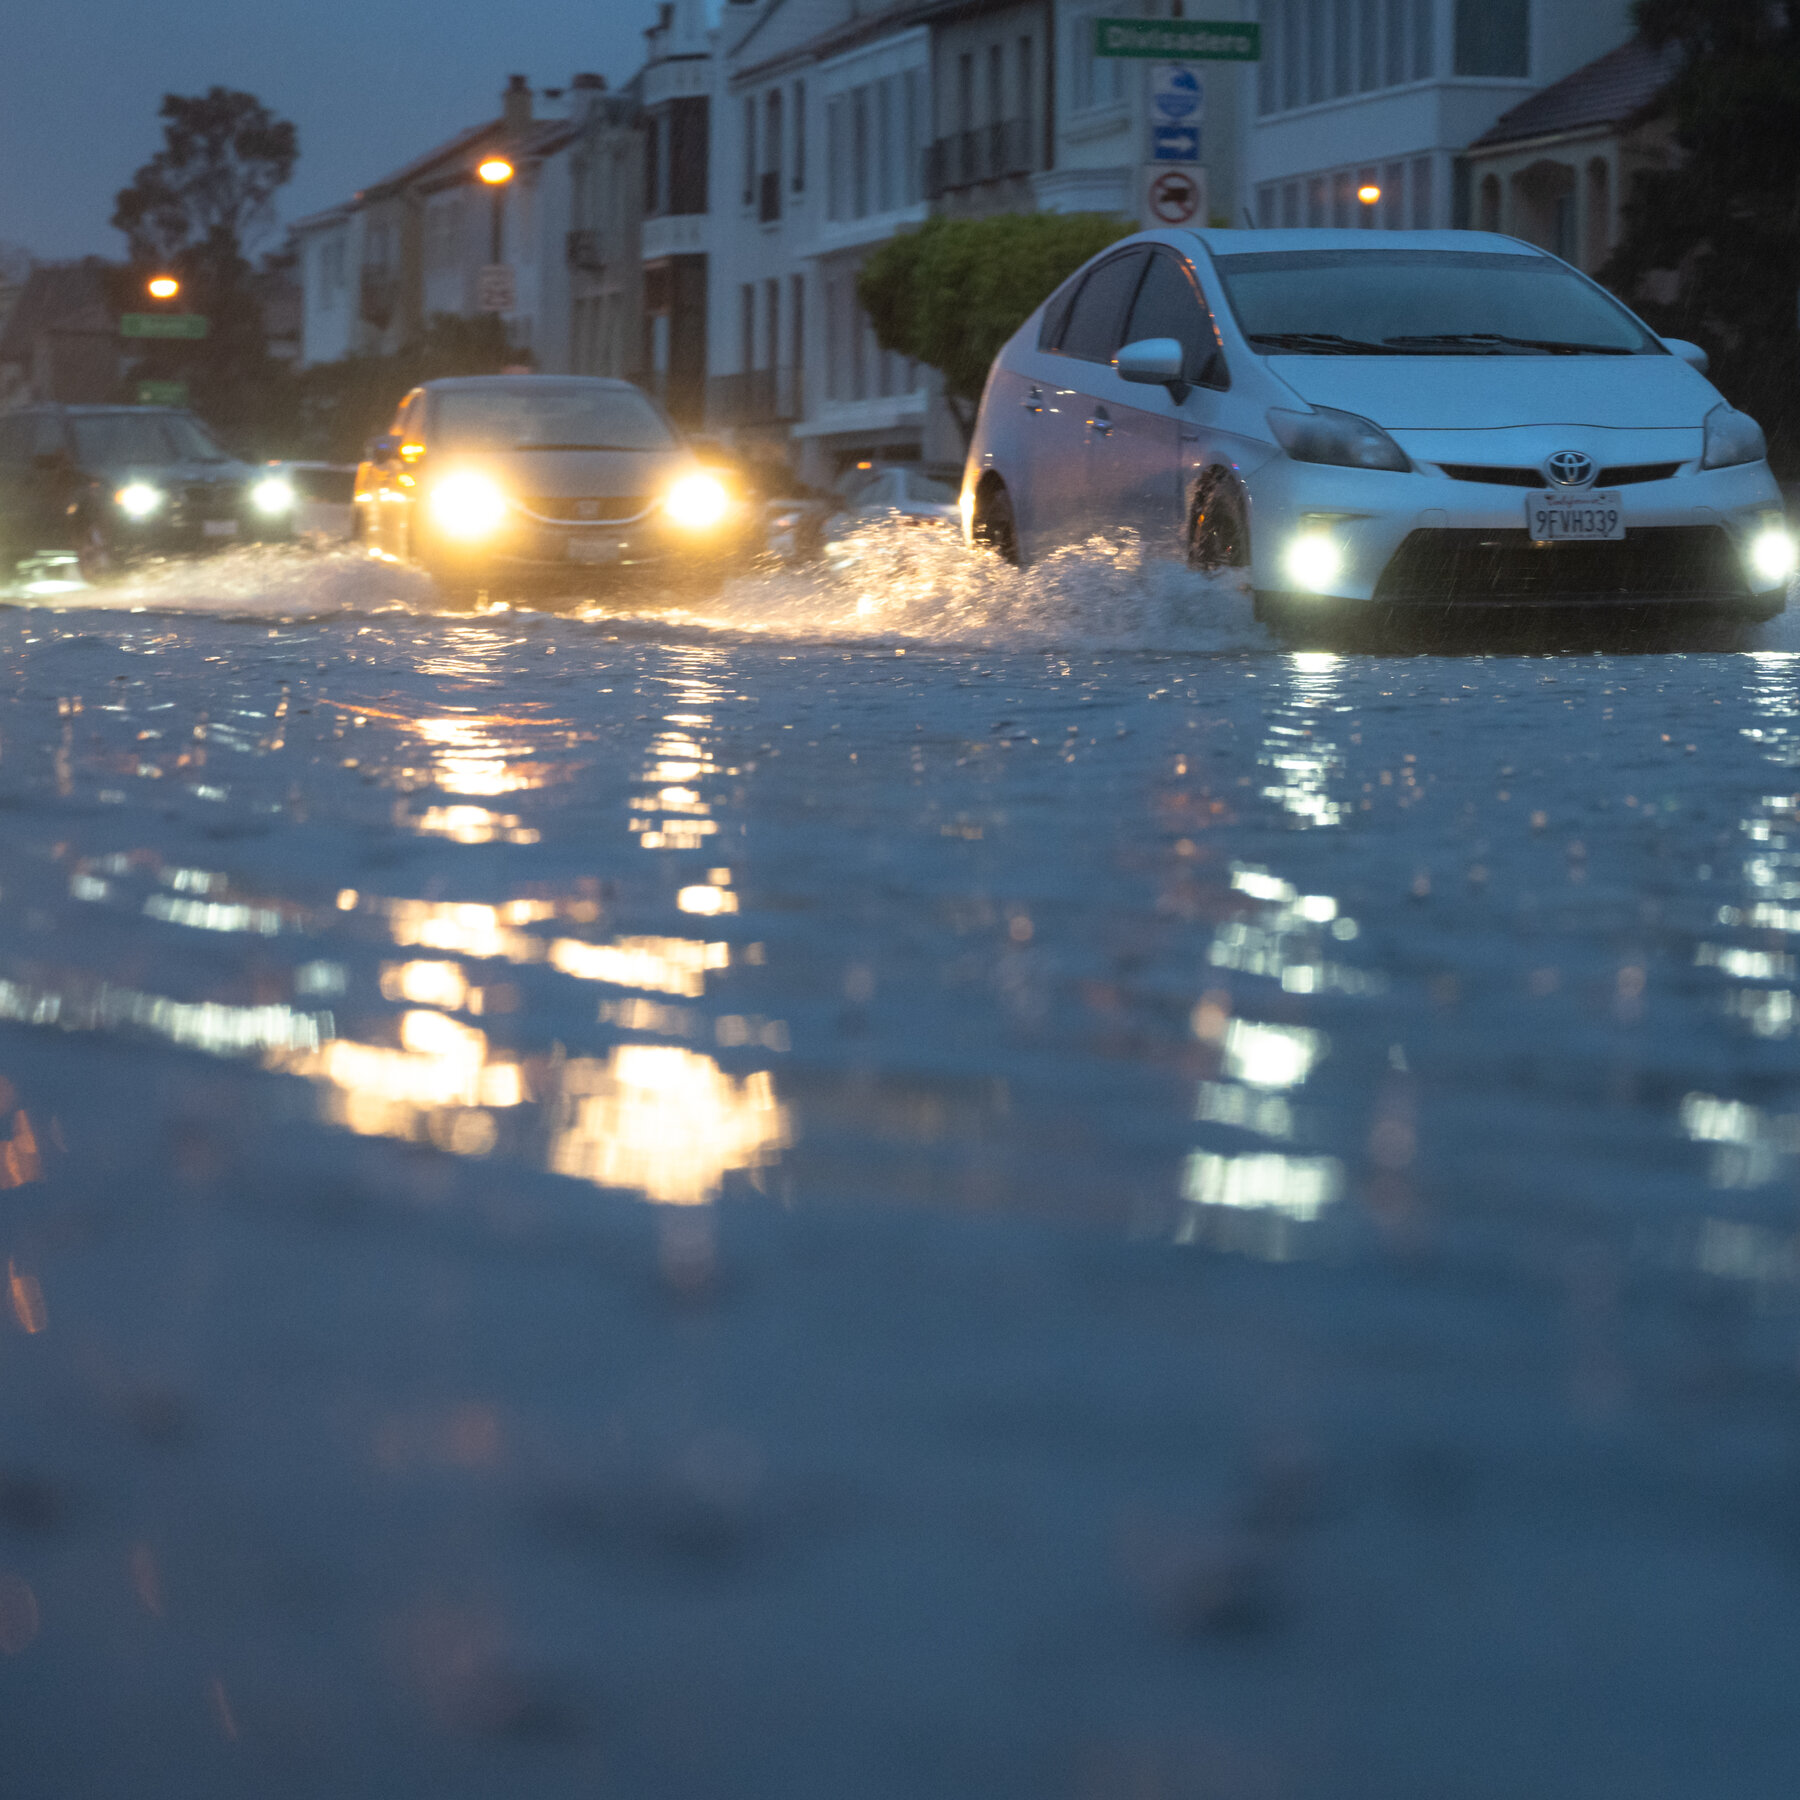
{"x":370,"y":84}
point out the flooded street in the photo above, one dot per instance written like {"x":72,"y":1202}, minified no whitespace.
{"x":1196,"y":1184}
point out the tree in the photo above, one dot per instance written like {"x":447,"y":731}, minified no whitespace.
{"x":1711,"y":248}
{"x":196,"y":209}
{"x":952,"y":292}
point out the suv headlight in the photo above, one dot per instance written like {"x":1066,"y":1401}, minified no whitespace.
{"x":272,"y":495}
{"x":468,"y":506}
{"x":1326,"y":436}
{"x":1732,"y":437}
{"x":138,"y":499}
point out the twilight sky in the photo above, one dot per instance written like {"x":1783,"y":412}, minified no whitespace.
{"x":369,"y":83}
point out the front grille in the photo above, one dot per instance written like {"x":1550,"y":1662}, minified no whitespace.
{"x":1496,"y":476}
{"x":210,"y":500}
{"x":1627,"y":473}
{"x":1655,"y":562}
{"x":612,"y":509}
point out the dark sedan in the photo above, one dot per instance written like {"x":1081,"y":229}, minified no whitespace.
{"x":547,"y":484}
{"x":109,"y":484}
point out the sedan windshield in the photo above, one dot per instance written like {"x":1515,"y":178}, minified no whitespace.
{"x":120,"y":440}
{"x":577,"y":417}
{"x":1424,"y":303}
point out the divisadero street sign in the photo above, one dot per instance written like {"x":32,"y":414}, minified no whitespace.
{"x":1179,"y":40}
{"x":162,"y":325}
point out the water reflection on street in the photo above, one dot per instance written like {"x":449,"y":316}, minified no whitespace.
{"x":1225,"y":944}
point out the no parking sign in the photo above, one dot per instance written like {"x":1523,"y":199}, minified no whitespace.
{"x":1172,"y":196}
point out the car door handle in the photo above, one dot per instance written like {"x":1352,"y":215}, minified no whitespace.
{"x":1034,"y":400}
{"x":1101,"y":423}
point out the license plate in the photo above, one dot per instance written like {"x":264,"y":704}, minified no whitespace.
{"x":218,"y":527}
{"x":1574,"y":518}
{"x":593,"y":550}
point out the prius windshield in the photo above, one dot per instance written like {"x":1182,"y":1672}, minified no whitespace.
{"x":123,"y":440}
{"x":581,"y":416}
{"x":1345,"y":302}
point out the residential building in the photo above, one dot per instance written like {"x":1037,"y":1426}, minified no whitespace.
{"x":1554,"y":169}
{"x":1389,"y":94}
{"x":993,"y":124}
{"x":61,"y":336}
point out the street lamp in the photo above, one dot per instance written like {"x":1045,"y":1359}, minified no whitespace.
{"x":162,"y":287}
{"x":1369,"y":194}
{"x":496,"y":171}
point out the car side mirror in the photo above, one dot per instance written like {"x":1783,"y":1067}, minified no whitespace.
{"x":383,"y":448}
{"x":1691,"y":354}
{"x":1155,"y":362}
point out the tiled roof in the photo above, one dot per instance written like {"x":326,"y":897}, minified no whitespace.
{"x":1607,"y":91}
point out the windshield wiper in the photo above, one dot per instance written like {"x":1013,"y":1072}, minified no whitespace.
{"x":577,"y":446}
{"x":1320,"y":343}
{"x":1500,"y":343}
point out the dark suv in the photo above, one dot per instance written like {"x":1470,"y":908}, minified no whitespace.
{"x":110,"y":483}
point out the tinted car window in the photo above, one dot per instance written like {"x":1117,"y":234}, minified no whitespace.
{"x":1443,"y":302}
{"x":576,"y":417}
{"x":1098,"y":317}
{"x":192,"y":441}
{"x":1168,"y":305}
{"x":121,"y":439}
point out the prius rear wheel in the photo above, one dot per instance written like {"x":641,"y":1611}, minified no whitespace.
{"x":1219,"y":537}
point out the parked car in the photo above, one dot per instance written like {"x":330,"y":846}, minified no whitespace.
{"x":1362,"y":419}
{"x":513,"y":484}
{"x":110,"y":484}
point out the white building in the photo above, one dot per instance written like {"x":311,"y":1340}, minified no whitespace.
{"x":1390,"y":93}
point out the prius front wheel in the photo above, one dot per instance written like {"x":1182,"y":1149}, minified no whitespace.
{"x":1219,"y":537}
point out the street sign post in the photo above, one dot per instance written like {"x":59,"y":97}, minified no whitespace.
{"x":496,"y":291}
{"x":1172,"y":196}
{"x":162,"y":393}
{"x":1189,"y":40}
{"x":162,"y":325}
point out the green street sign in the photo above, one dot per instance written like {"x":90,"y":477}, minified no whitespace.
{"x":1179,"y":40}
{"x":162,"y":393}
{"x":162,"y":325}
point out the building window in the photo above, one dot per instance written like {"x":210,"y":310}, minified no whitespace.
{"x":797,"y":321}
{"x":772,"y":323}
{"x":687,"y":155}
{"x":1493,"y":38}
{"x":747,"y":327}
{"x":837,"y":187}
{"x":1421,"y":194}
{"x":1095,"y":81}
{"x":749,"y":195}
{"x":799,"y":137}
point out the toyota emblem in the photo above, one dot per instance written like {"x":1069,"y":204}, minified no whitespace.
{"x":1570,"y":468}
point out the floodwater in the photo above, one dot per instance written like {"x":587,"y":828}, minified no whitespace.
{"x":1067,"y":902}
{"x":1070,"y":894}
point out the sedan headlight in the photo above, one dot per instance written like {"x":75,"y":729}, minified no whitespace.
{"x":138,"y":499}
{"x":1732,"y":437}
{"x":468,"y":506}
{"x":1326,"y":436}
{"x":271,"y":496}
{"x":697,"y":502}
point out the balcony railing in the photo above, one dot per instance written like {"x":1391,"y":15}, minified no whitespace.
{"x":989,"y":153}
{"x":757,"y":397}
{"x":583,"y":250}
{"x":768,"y":197}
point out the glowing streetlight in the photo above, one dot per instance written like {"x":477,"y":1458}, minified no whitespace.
{"x":162,"y":287}
{"x":496,"y":171}
{"x":1369,"y":194}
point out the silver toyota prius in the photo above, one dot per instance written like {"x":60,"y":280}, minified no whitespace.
{"x":1380,"y":420}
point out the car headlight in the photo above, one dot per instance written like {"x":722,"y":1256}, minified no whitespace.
{"x":1732,"y":437}
{"x":138,"y":499}
{"x":1326,"y":436}
{"x":272,"y":495}
{"x":1772,"y":555}
{"x":1314,"y":561}
{"x":468,"y":506}
{"x":697,"y":502}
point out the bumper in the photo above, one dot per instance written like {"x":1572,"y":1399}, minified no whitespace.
{"x":544,"y":552}
{"x":1427,"y":540}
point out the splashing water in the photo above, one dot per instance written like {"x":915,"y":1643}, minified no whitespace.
{"x":889,"y":583}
